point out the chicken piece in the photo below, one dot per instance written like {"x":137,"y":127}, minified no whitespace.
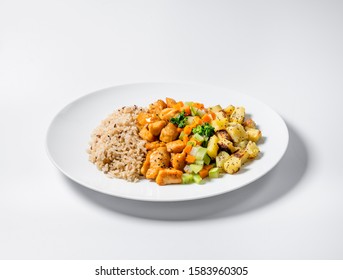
{"x":146,"y":118}
{"x":170,"y":102}
{"x":156,"y":127}
{"x":169,"y":176}
{"x":157,"y":106}
{"x":168,"y":113}
{"x":152,"y":173}
{"x":146,"y":134}
{"x":159,"y":158}
{"x":146,"y":164}
{"x":169,"y":133}
{"x":176,"y":146}
{"x":154,"y":145}
{"x":178,"y":161}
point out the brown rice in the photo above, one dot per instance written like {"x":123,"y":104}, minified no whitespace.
{"x":115,"y":146}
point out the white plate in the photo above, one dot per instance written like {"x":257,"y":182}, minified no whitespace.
{"x":69,"y":134}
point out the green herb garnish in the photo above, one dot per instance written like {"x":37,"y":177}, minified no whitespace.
{"x":180,"y":120}
{"x":205,"y":130}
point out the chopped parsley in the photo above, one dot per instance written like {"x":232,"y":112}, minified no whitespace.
{"x":180,"y":120}
{"x":205,"y":130}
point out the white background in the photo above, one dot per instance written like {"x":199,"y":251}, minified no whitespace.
{"x":288,"y":54}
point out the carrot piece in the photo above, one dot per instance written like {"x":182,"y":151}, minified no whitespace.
{"x":192,"y":139}
{"x":190,"y":159}
{"x":185,"y":139}
{"x":207,"y":118}
{"x":198,"y":105}
{"x":197,"y":120}
{"x":188,"y":129}
{"x":187,"y":110}
{"x":213,"y":115}
{"x":204,"y":172}
{"x":187,"y":149}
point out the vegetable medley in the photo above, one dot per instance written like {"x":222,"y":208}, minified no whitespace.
{"x":187,"y":142}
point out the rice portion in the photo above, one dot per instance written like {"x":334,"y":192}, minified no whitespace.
{"x":115,"y":146}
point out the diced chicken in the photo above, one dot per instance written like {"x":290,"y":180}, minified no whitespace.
{"x":168,"y":113}
{"x":159,"y":158}
{"x":178,"y":161}
{"x":169,"y":176}
{"x":156,"y":127}
{"x":170,"y":102}
{"x":152,"y":173}
{"x":176,"y":146}
{"x":154,"y":145}
{"x":146,"y":134}
{"x":169,"y":133}
{"x":146,"y":164}
{"x":157,"y":106}
{"x":146,"y":118}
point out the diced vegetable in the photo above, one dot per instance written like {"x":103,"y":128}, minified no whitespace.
{"x":182,"y":135}
{"x":195,"y":168}
{"x":238,"y":115}
{"x":200,"y":154}
{"x":252,"y":149}
{"x":198,"y":137}
{"x":232,"y":165}
{"x":193,"y":110}
{"x":249,"y":123}
{"x":194,"y":150}
{"x":187,"y":178}
{"x":190,"y":120}
{"x":207,"y":118}
{"x":204,"y":171}
{"x":221,"y":115}
{"x":212,"y":148}
{"x":187,"y":169}
{"x":207,"y":159}
{"x":201,"y":113}
{"x":242,"y":144}
{"x":221,"y":158}
{"x":197,"y":178}
{"x":226,"y":145}
{"x":214,"y":172}
{"x":191,"y":143}
{"x":242,"y":155}
{"x":229,"y":109}
{"x":216,"y":108}
{"x":188,"y":129}
{"x":237,"y":132}
{"x":187,"y":110}
{"x":187,"y":149}
{"x":253,"y":134}
{"x":220,"y":124}
{"x":190,"y":159}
